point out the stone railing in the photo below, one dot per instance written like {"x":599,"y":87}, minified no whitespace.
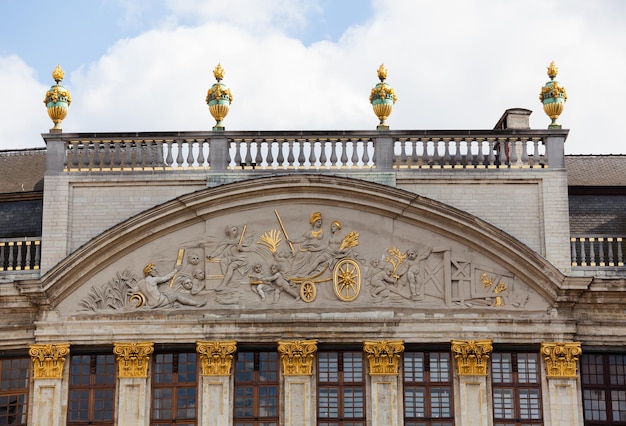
{"x":20,"y":254}
{"x":597,"y":251}
{"x":313,"y":151}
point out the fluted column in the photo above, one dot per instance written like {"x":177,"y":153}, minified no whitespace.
{"x":48,"y":396}
{"x":133,"y":384}
{"x":472,"y":358}
{"x":561,"y":361}
{"x":215,"y":399}
{"x":297,"y":358}
{"x":384,"y":362}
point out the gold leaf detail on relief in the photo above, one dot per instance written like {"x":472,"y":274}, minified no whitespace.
{"x":297,"y":357}
{"x":216,"y":358}
{"x":271,"y":240}
{"x":561,"y":359}
{"x":133,"y":358}
{"x":48,"y":360}
{"x":383,"y":356}
{"x":396,"y":258}
{"x":471,"y":356}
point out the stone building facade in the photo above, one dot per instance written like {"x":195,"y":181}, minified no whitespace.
{"x":312,"y":278}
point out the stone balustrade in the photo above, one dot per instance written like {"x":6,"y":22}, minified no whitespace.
{"x":597,"y":251}
{"x":312,"y":151}
{"x":20,"y":254}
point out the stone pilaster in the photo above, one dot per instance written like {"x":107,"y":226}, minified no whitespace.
{"x":561,"y":361}
{"x":297,"y":358}
{"x":48,"y":396}
{"x":384,"y":362}
{"x":215,"y":399}
{"x":472,"y":358}
{"x":133,"y":384}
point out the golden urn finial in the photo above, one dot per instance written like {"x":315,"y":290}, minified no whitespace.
{"x":553,"y":97}
{"x":382,"y":98}
{"x":219,"y":98}
{"x":57,"y":100}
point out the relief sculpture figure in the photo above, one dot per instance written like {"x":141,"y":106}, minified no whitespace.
{"x":233,"y":255}
{"x":310,"y":247}
{"x":154,"y":294}
{"x":411,"y":272}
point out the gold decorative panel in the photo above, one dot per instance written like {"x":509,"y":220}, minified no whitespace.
{"x":383,"y":356}
{"x":561,"y":359}
{"x":133,"y":358}
{"x":471,"y":356}
{"x":49,"y":360}
{"x":297,"y":357}
{"x":216,"y":358}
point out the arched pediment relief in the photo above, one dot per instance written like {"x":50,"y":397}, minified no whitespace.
{"x":304,"y":243}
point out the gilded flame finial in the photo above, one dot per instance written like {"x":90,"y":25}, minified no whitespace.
{"x":382,"y":98}
{"x":57,"y":100}
{"x":219,"y":98}
{"x":553,"y":97}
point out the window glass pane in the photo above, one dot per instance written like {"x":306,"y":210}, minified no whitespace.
{"x":328,"y":402}
{"x":328,"y":367}
{"x":439,"y":367}
{"x":591,"y":371}
{"x":594,"y":404}
{"x":352,"y":367}
{"x":441,"y":402}
{"x":502,"y":368}
{"x":13,"y":409}
{"x":256,"y":388}
{"x":414,"y":367}
{"x":618,"y":405}
{"x":414,"y":402}
{"x":527,"y":367}
{"x":91,"y":393}
{"x":617,"y":371}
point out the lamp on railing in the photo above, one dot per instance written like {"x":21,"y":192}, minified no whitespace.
{"x":382,"y":98}
{"x":553,"y":97}
{"x":219,"y":98}
{"x":57,"y":100}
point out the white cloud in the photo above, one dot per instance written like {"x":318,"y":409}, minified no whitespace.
{"x":454,"y":65}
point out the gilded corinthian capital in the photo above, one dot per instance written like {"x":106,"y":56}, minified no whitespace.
{"x":297,"y":357}
{"x":471,"y":356}
{"x":383,"y":356}
{"x":49,"y":360}
{"x":133,"y":358}
{"x":216,"y":358}
{"x":561,"y":359}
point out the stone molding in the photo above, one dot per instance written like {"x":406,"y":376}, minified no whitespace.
{"x":133,"y":358}
{"x":48,"y":359}
{"x":471,"y":356}
{"x":383,"y":356}
{"x":561,"y":359}
{"x":297,"y":357}
{"x":216,"y":358}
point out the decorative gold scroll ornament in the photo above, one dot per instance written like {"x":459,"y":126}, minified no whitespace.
{"x":561,"y":359}
{"x":48,"y":360}
{"x":133,"y":358}
{"x":471,"y":356}
{"x":216,"y":358}
{"x":383,"y":356}
{"x":297,"y":357}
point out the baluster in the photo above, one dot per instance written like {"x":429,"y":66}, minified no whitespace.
{"x":366,"y":154}
{"x":401,"y":160}
{"x":201,"y":157}
{"x":470,"y":157}
{"x":3,"y":265}
{"x":425,"y":156}
{"x":333,"y":153}
{"x":524,"y":143}
{"x":354,"y":143}
{"x":290,"y":156}
{"x":446,"y":152}
{"x":37,"y":254}
{"x":344,"y":155}
{"x":573,"y":251}
{"x":592,"y":252}
{"x":610,"y":258}
{"x":281,"y":156}
{"x":583,"y":253}
{"x":117,"y":155}
{"x":248,"y":160}
{"x":545,"y":160}
{"x":312,"y":157}
{"x":190,"y":157}
{"x":414,"y":159}
{"x":95,"y":164}
{"x":436,"y":158}
{"x":10,"y":248}
{"x":301,"y":156}
{"x":130,"y":154}
{"x":139,"y":160}
{"x":18,"y":255}
{"x":512,"y":159}
{"x":503,"y":152}
{"x":480,"y":154}
{"x":601,"y":252}
{"x":179,"y":154}
{"x":491,"y":158}
{"x":258,"y":159}
{"x":75,"y":155}
{"x":458,"y":158}
{"x":620,"y":257}
{"x":323,"y":159}
{"x":27,"y":256}
{"x":169,"y":158}
{"x":270,"y":155}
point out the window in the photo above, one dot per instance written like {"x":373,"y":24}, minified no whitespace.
{"x":174,"y":388}
{"x":340,"y":389}
{"x":603,"y":378}
{"x":427,"y":389}
{"x":256,"y":389}
{"x":91,"y":390}
{"x":13,"y":390}
{"x":516,"y":389}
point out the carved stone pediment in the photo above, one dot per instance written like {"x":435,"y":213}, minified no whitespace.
{"x":324,"y":253}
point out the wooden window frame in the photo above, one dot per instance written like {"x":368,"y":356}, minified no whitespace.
{"x":86,"y":383}
{"x":9,"y":387}
{"x":162,"y":368}
{"x":604,"y":373}
{"x":264,"y":376}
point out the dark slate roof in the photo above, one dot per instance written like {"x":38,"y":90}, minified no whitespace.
{"x":596,"y":170}
{"x":22,"y":170}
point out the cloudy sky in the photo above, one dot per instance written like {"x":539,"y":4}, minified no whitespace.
{"x":146,"y":65}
